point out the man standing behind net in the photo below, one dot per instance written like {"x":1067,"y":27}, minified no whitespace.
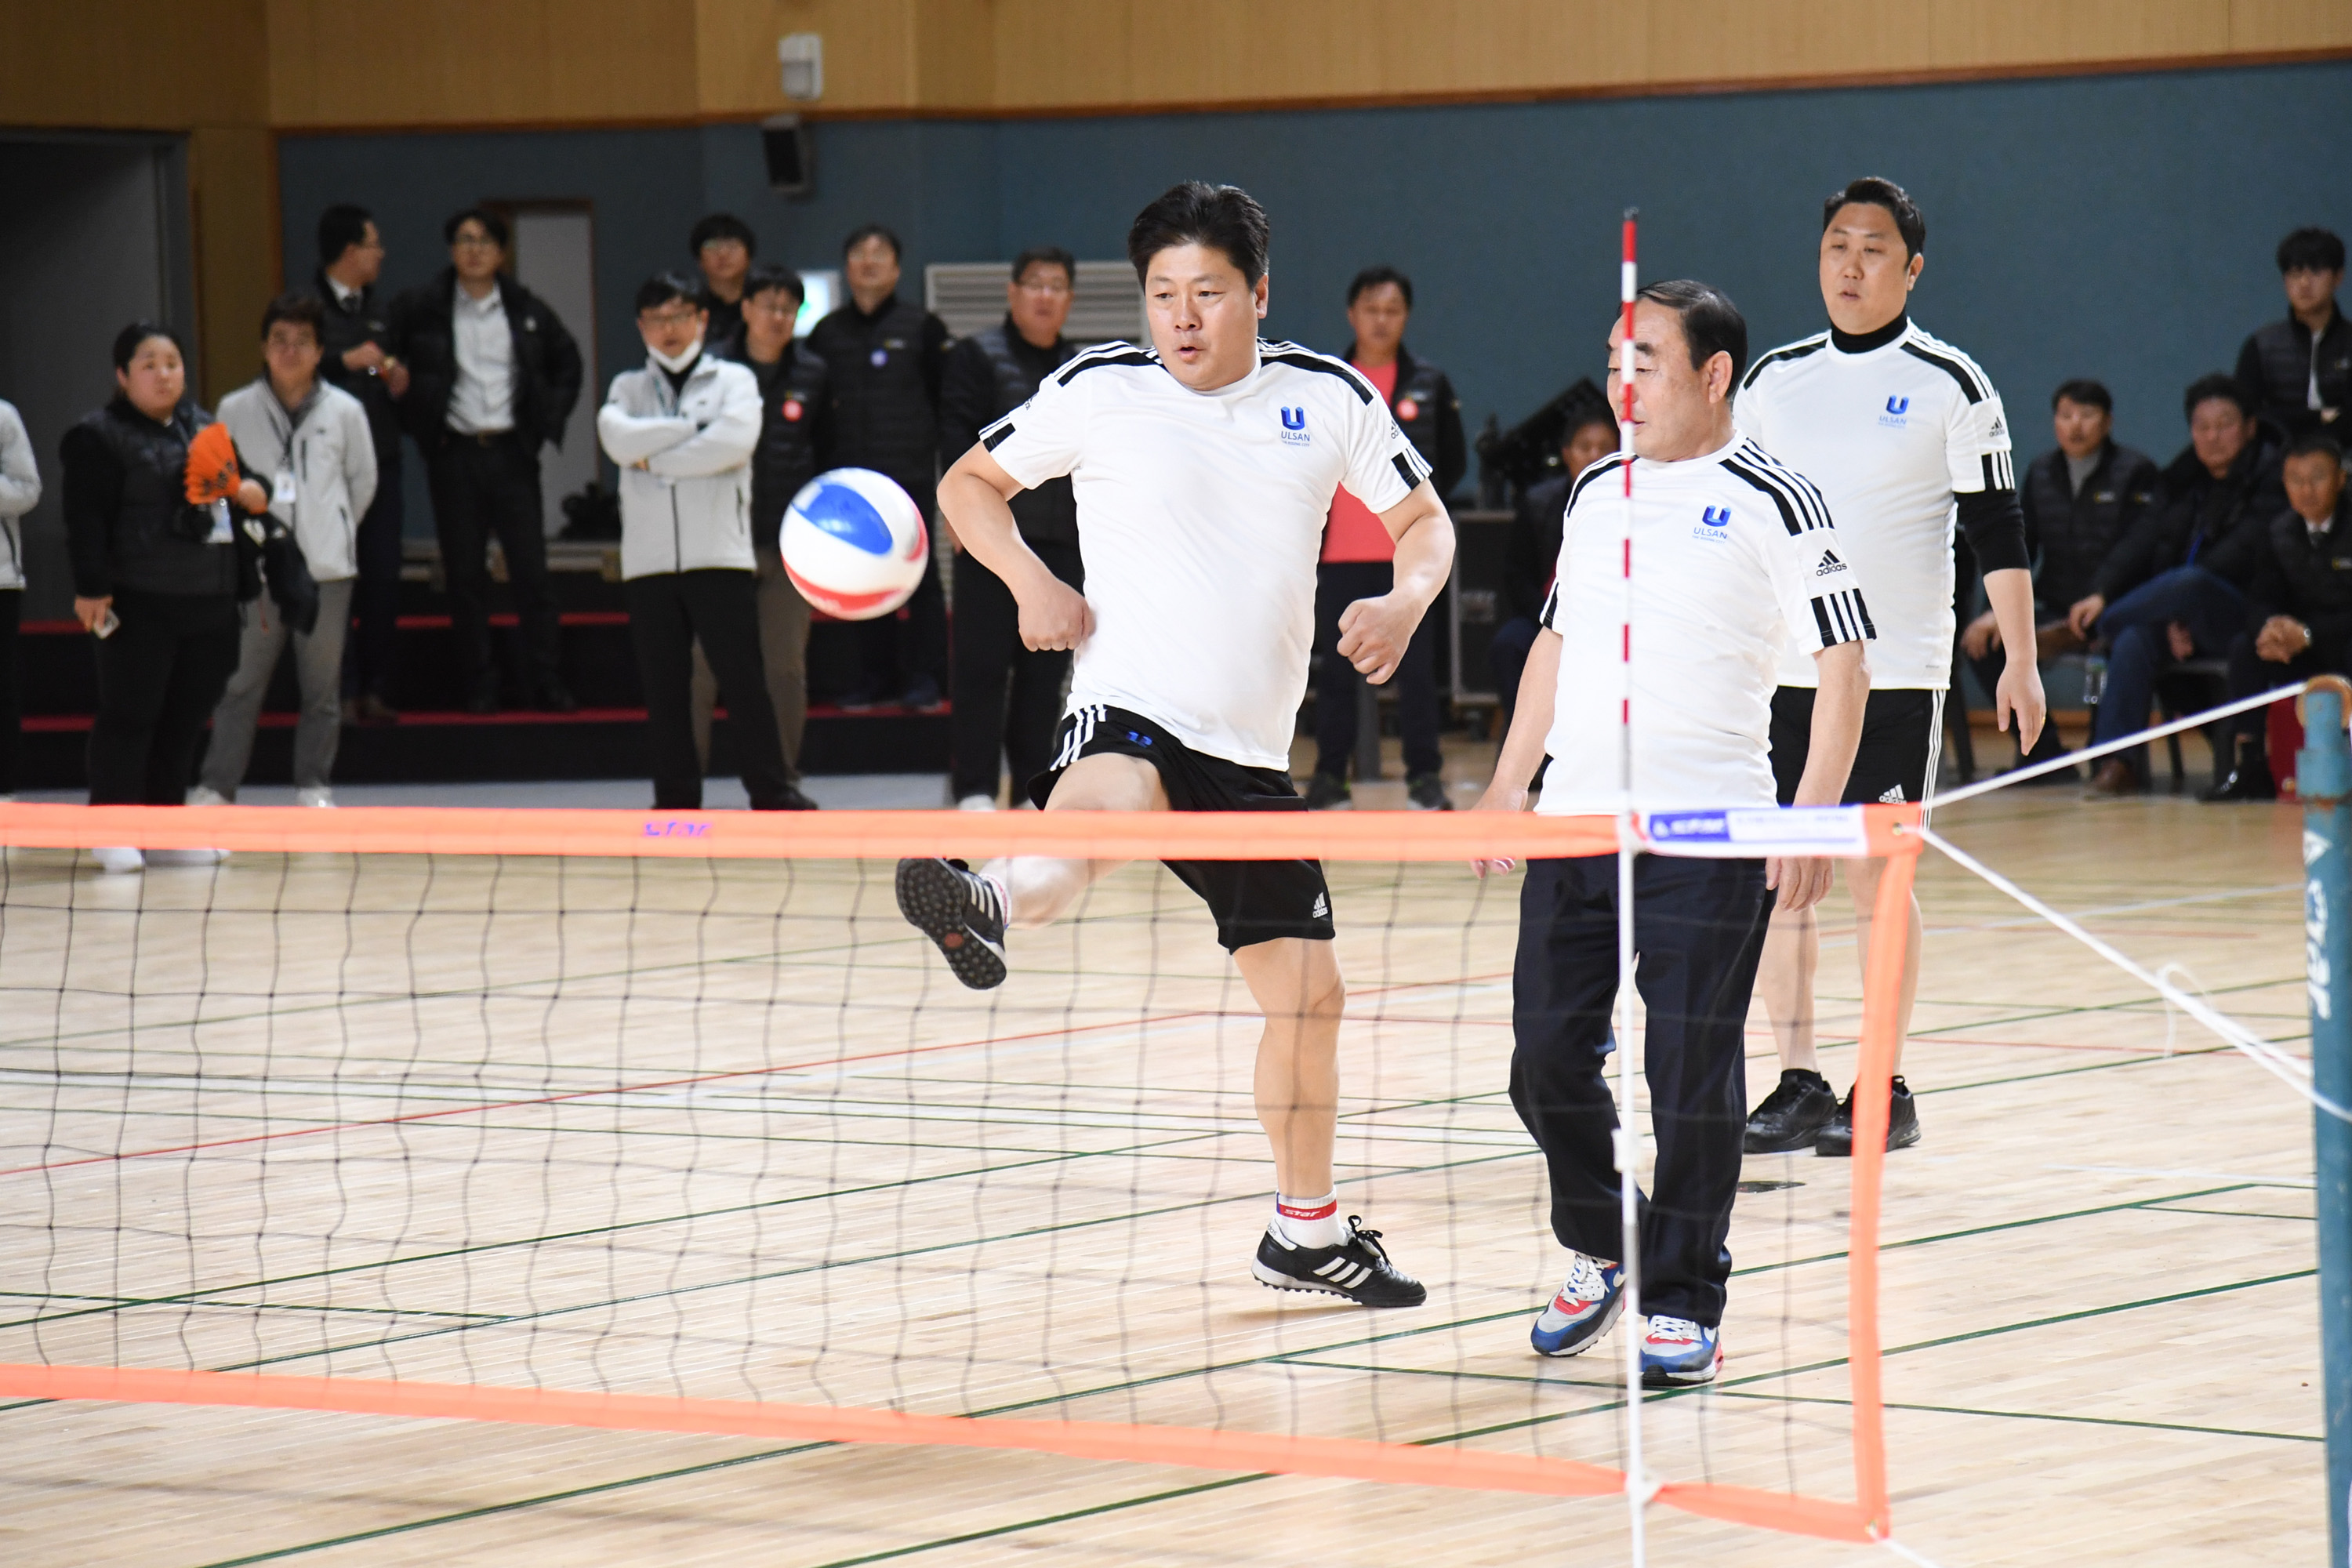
{"x":1203,"y":468}
{"x":493,"y":375}
{"x":1356,"y":550}
{"x":682,"y":430}
{"x":791,"y":451}
{"x":883,"y":358}
{"x":1735,"y":559}
{"x":989,"y":375}
{"x":356,"y":333}
{"x":1904,"y":434}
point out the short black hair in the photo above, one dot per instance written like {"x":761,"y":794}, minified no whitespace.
{"x":492,"y":225}
{"x":866,"y":231}
{"x":2320,"y":249}
{"x":302,"y":308}
{"x":2316,"y":441}
{"x":1046,"y":255}
{"x":1711,"y":324}
{"x":1585,"y":405}
{"x":721,"y":226}
{"x":2206,"y":388}
{"x":667,"y":285}
{"x":1218,"y":218}
{"x":1872,"y":192}
{"x":126,"y":340}
{"x":341,"y":226}
{"x":769,"y":275}
{"x":1373,"y":277}
{"x":2084,"y":390}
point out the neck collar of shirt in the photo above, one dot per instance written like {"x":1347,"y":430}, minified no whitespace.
{"x":1019,"y":344}
{"x":295,"y":413}
{"x":1646,"y":465}
{"x":494,"y":299}
{"x":344,"y":294}
{"x":1231,"y":388}
{"x":1864,"y":342}
{"x":882,"y":308}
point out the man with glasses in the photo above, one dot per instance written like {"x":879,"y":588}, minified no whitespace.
{"x":492,"y":375}
{"x":988,"y":375}
{"x":723,"y":246}
{"x":356,"y":334}
{"x":792,"y":432}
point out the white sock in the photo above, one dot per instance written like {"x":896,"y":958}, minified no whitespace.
{"x":1309,"y":1222}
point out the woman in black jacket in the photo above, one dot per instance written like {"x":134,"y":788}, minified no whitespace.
{"x":156,"y":574}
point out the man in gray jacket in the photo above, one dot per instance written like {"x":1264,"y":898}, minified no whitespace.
{"x":20,"y":493}
{"x":682,"y":431}
{"x":310,"y":443}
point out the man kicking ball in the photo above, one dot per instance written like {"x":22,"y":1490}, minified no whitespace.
{"x":1733,"y":556}
{"x":1203,"y":468}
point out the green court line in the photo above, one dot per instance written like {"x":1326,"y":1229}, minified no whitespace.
{"x":2237,"y":1214}
{"x":2038,"y":1415}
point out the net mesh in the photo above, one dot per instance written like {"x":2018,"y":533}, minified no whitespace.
{"x":674,"y":1124}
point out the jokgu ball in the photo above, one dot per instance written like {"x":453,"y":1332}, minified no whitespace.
{"x":854,"y":544}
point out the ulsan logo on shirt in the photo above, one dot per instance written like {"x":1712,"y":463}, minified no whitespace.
{"x":1714,"y":520}
{"x":1293,"y":426}
{"x":1896,"y":407}
{"x":1830,"y":565}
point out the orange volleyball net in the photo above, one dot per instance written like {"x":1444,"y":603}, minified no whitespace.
{"x":669,"y":1122}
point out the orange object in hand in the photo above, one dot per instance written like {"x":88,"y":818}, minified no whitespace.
{"x":212,"y":473}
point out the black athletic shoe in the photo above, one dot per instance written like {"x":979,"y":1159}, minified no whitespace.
{"x":1359,"y":1269}
{"x":1902,"y":1125}
{"x":2250,"y":779}
{"x":961,"y":912}
{"x":791,"y":799}
{"x":1329,"y":792}
{"x":1793,"y":1115}
{"x":1426,"y":791}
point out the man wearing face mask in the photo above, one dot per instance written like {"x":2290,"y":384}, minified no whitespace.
{"x":682,"y":431}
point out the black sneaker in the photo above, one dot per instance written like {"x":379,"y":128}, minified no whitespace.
{"x":1836,"y":1140}
{"x":790,"y":798}
{"x":2250,"y":779}
{"x":1793,"y":1115}
{"x":961,"y":912}
{"x":1358,"y":1269}
{"x":1329,"y":792}
{"x":1426,"y":791}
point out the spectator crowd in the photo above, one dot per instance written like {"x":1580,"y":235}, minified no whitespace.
{"x":205,"y":550}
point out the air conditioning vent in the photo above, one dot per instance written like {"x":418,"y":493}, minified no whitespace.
{"x":968,"y":296}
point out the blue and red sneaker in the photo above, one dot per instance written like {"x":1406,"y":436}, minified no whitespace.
{"x":1679,"y":1354}
{"x":1582,"y":1311}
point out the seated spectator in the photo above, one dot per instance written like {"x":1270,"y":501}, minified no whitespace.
{"x":2174,"y":586}
{"x":2300,"y":369}
{"x":1533,"y":550}
{"x":682,"y":431}
{"x":2079,"y":502}
{"x":791,"y":451}
{"x":2299,"y":608}
{"x":723,"y":246}
{"x":314,"y":443}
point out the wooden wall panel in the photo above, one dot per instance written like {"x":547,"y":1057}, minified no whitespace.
{"x":233,"y":184}
{"x":157,"y":65}
{"x":869,"y":53}
{"x":477,"y":62}
{"x":2290,"y":25}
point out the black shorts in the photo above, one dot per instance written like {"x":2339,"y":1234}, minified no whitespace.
{"x":1902,"y":741}
{"x":1254,"y":900}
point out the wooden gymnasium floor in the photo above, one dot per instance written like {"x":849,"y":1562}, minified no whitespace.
{"x":2099,"y":1308}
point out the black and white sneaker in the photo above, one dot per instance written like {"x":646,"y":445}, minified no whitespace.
{"x":1836,"y":1140}
{"x":1358,"y":1269}
{"x":959,"y":911}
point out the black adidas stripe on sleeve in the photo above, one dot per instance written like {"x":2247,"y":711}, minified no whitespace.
{"x":1972,"y":385}
{"x":1322,"y":364}
{"x":1109,"y":353}
{"x":1782,"y":355}
{"x":1801,"y":506}
{"x":996,"y":436}
{"x":1842,"y":618}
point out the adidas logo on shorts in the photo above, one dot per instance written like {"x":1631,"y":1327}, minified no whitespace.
{"x":1322,"y":910}
{"x":1893,"y":796}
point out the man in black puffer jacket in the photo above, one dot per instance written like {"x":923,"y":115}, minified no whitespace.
{"x":884,"y":356}
{"x":2299,"y":368}
{"x":2176,"y":585}
{"x":492,"y":377}
{"x":989,"y":375}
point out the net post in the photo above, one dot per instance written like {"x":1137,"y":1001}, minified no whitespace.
{"x":2324,"y":782}
{"x":1872,"y":1087}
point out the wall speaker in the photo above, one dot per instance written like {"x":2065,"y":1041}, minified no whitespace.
{"x":792,"y":167}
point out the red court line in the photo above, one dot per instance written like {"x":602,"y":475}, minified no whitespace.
{"x":1346,"y":1458}
{"x":492,"y":1106}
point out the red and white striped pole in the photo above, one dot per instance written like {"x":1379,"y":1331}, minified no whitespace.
{"x":1639,"y":1488}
